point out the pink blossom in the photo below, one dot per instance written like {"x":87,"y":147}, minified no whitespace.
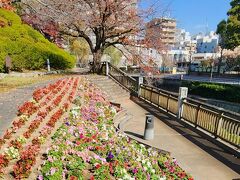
{"x":50,"y":159}
{"x":40,"y":177}
{"x":52,"y":170}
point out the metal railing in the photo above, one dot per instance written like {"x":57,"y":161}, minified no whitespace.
{"x":216,"y":121}
{"x":128,"y":82}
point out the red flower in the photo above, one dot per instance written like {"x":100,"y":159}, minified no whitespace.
{"x":181,"y":175}
{"x":54,"y":118}
{"x":3,"y":161}
{"x":73,"y":178}
{"x":16,"y":144}
{"x":78,"y":142}
{"x":23,"y":166}
{"x":98,"y":166}
{"x":28,"y":108}
{"x":8,"y":134}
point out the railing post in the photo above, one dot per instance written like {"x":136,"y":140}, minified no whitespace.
{"x":151,"y":95}
{"x":183,"y":92}
{"x":48,"y":65}
{"x":107,"y":68}
{"x":218,"y":124}
{"x":196,"y":116}
{"x":168,"y":97}
{"x":140,"y":81}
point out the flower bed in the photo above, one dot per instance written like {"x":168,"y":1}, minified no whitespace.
{"x":87,"y":146}
{"x":22,"y":150}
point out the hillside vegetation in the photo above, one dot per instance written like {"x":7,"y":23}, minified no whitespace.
{"x":28,"y":48}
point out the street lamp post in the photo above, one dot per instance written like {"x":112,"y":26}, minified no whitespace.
{"x":211,"y":76}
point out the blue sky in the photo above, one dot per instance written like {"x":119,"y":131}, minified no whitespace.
{"x":193,"y":15}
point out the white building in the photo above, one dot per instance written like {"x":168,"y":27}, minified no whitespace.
{"x":207,"y":43}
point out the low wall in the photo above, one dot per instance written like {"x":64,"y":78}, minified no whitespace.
{"x":225,"y":105}
{"x":215,"y":74}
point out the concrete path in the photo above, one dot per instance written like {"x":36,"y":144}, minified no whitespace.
{"x":196,"y":161}
{"x":9,"y":102}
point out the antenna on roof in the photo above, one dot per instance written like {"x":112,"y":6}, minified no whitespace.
{"x":207,"y":28}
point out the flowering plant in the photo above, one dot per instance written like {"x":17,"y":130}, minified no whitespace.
{"x":23,"y":166}
{"x":3,"y":163}
{"x":11,"y":153}
{"x":8,"y":134}
{"x":28,"y":108}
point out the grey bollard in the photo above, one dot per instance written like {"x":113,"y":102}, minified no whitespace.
{"x":149,"y":127}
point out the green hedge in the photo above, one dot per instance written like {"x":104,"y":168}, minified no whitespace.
{"x":28,"y":48}
{"x":224,"y":92}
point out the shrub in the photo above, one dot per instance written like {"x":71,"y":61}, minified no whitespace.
{"x":28,"y":48}
{"x":224,"y":92}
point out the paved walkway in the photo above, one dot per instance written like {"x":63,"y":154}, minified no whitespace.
{"x":9,"y":102}
{"x":195,"y":160}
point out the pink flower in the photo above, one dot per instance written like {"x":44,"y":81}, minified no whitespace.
{"x":52,"y":170}
{"x":40,"y":177}
{"x":171,"y":169}
{"x":134,"y":170}
{"x":81,"y":136}
{"x":63,"y":175}
{"x":50,"y":159}
{"x":174,"y":161}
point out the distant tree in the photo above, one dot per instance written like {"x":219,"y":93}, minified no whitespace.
{"x":229,"y":31}
{"x":80,"y":48}
{"x":222,"y":32}
{"x":166,"y":62}
{"x":115,"y":54}
{"x":233,"y":25}
{"x":232,"y":59}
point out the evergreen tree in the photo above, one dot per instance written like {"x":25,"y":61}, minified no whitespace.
{"x":233,"y":25}
{"x":222,"y":32}
{"x":229,"y":31}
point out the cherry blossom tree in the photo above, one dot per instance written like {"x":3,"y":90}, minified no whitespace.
{"x":232,"y":58}
{"x":6,"y":4}
{"x":102,"y":23}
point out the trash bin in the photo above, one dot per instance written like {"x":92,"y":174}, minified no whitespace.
{"x":149,"y":127}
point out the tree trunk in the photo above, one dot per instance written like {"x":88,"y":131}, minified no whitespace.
{"x":97,"y":66}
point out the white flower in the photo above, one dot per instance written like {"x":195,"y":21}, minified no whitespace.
{"x":142,"y":145}
{"x":163,"y":178}
{"x":153,"y":171}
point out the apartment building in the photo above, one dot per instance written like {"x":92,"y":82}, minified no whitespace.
{"x":165,"y":28}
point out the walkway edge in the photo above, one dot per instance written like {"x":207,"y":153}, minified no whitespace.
{"x":228,"y":162}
